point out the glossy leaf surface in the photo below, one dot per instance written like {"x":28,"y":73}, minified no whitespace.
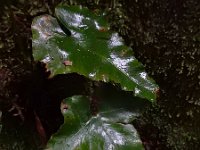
{"x":110,"y":129}
{"x":80,"y":41}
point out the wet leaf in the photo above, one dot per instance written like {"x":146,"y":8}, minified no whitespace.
{"x":111,"y":128}
{"x":80,"y":41}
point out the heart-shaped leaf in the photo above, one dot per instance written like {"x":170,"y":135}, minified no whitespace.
{"x":80,"y":41}
{"x":111,"y":128}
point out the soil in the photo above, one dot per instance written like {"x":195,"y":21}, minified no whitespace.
{"x":165,"y":37}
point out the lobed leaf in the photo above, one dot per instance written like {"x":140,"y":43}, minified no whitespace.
{"x":110,"y":129}
{"x":80,"y":41}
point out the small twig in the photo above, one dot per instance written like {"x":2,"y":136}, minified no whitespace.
{"x":17,"y":108}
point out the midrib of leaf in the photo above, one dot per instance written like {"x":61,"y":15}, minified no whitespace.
{"x":120,"y":70}
{"x":97,"y":120}
{"x":109,"y":61}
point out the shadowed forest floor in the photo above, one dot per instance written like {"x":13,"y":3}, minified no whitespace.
{"x":165,"y":37}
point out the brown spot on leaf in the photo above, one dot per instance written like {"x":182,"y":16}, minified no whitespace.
{"x":63,"y":107}
{"x":103,"y":29}
{"x":67,"y":63}
{"x":157,"y":92}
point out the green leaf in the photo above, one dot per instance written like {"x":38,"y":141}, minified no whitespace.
{"x":80,"y":41}
{"x":111,"y":128}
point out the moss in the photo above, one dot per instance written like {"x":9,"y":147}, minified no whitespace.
{"x":163,"y":33}
{"x":165,"y":38}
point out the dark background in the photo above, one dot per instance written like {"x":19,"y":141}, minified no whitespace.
{"x":165,"y":37}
